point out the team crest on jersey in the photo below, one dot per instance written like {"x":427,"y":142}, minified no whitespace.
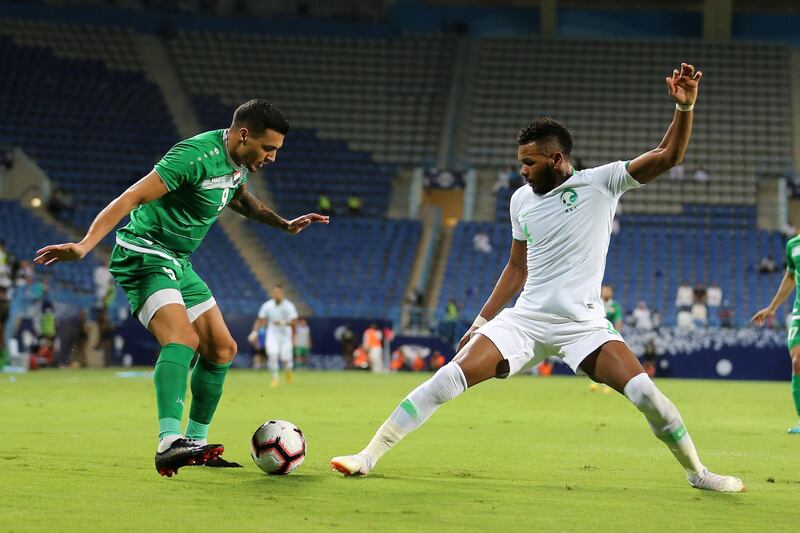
{"x":569,"y":198}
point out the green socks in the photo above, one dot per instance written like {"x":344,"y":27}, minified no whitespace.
{"x":796,"y":392}
{"x":207,"y":380}
{"x":170,"y":376}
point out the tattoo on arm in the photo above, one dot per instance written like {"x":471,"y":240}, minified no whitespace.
{"x":251,"y":207}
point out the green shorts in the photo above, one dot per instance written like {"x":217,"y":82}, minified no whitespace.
{"x":301,"y":351}
{"x":152,"y":278}
{"x":794,"y":333}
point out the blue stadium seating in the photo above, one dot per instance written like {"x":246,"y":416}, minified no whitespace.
{"x":356,"y":268}
{"x":647,"y":261}
{"x":24,"y":233}
{"x":92,"y":129}
{"x":308,"y":166}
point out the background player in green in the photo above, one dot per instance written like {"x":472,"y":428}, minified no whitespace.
{"x":788,"y":284}
{"x":171,"y":210}
{"x":612,"y":307}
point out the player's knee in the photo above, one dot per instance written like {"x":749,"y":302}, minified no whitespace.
{"x":641,"y":391}
{"x":226,"y":351}
{"x":796,"y":361}
{"x":447,"y":383}
{"x":185,"y":336}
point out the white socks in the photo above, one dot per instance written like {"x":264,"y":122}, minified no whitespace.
{"x":167,"y":441}
{"x":664,"y":420}
{"x":412,"y":412}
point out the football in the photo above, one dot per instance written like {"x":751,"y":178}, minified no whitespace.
{"x":278,"y":447}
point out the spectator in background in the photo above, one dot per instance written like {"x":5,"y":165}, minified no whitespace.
{"x":767,"y":265}
{"x":642,"y":319}
{"x":324,"y":205}
{"x":103,"y":281}
{"x":713,"y":301}
{"x":5,"y":306}
{"x":354,"y":204}
{"x":372,"y":342}
{"x":714,"y":296}
{"x":650,"y":357}
{"x":302,"y":342}
{"x":699,"y":314}
{"x":436,"y":361}
{"x":347,"y":340}
{"x":678,"y":172}
{"x":726,"y":315}
{"x":613,"y":309}
{"x":448,"y":326}
{"x":701,"y":176}
{"x":3,"y":254}
{"x":656,"y":320}
{"x":503,"y":181}
{"x":699,"y":293}
{"x":105,"y":338}
{"x":481,"y":243}
{"x":684,"y":297}
{"x":684,"y":320}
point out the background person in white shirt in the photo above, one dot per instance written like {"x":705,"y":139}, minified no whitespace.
{"x":561,"y":227}
{"x":279,"y":315}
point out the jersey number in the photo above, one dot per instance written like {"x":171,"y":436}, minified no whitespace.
{"x":225,"y":192}
{"x":792,"y":333}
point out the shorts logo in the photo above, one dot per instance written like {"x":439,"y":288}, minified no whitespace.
{"x":569,"y":197}
{"x":611,"y":328}
{"x":169,"y":272}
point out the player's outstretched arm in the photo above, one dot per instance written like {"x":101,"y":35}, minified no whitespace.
{"x":251,"y":207}
{"x":508,"y":285}
{"x":785,"y":289}
{"x":682,"y":86}
{"x":143,"y":191}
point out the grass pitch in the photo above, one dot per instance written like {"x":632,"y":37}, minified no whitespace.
{"x":525,"y":453}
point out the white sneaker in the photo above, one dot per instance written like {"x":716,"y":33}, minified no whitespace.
{"x":710,"y":481}
{"x":351,"y":465}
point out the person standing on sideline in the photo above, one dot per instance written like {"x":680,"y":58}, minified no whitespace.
{"x":278,"y":315}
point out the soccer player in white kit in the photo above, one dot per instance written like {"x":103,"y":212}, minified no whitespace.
{"x":279,"y":315}
{"x":561,"y":226}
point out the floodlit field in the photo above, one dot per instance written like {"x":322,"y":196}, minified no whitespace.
{"x":526,"y":453}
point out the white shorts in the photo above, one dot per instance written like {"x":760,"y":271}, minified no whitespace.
{"x":279,"y":348}
{"x":525,"y":338}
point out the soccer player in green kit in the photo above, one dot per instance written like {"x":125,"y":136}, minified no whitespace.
{"x":171,"y":210}
{"x":788,"y":284}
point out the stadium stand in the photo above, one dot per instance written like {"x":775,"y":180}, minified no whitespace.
{"x":383,"y":96}
{"x":577,"y":82}
{"x":309,"y":166}
{"x":359,"y":267}
{"x":23,"y":233}
{"x":647,"y":261}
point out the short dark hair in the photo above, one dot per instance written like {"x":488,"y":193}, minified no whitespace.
{"x":259,"y":115}
{"x":548,"y":130}
{"x":277,"y":286}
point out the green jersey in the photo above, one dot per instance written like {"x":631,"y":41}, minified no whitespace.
{"x":792,"y":255}
{"x":613,"y":312}
{"x":201,"y":178}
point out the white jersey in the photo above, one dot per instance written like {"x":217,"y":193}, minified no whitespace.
{"x":568,"y":231}
{"x":283,"y":313}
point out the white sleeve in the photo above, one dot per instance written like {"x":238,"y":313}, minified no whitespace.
{"x":262,"y":312}
{"x":292,"y":312}
{"x":613,"y":178}
{"x":516,"y":229}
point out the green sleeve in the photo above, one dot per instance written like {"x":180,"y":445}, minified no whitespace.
{"x":183,"y":163}
{"x":617,"y":312}
{"x":789,"y":259}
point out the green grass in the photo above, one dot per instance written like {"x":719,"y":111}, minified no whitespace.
{"x":525,"y":453}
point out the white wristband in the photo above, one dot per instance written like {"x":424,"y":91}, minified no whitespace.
{"x":479,"y":322}
{"x":684,"y":107}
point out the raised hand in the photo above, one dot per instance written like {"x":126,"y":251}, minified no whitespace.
{"x":300,"y":223}
{"x":57,"y":253}
{"x":761,"y":317}
{"x":683,"y":84}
